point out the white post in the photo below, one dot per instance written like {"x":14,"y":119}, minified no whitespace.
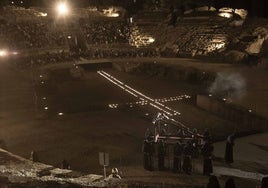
{"x":104,"y":171}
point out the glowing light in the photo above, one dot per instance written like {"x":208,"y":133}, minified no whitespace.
{"x":62,"y":8}
{"x":43,"y":14}
{"x":3,"y":53}
{"x":226,"y":9}
{"x":113,"y":15}
{"x":250,"y":111}
{"x":44,"y":98}
{"x":60,"y":114}
{"x":46,"y":108}
{"x":151,"y":39}
{"x":41,"y":76}
{"x":225,"y":14}
{"x":113,"y":105}
{"x":111,"y":12}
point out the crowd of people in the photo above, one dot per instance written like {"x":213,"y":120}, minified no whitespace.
{"x":92,"y":53}
{"x":120,"y":52}
{"x":45,"y":59}
{"x":30,"y":35}
{"x":106,"y":32}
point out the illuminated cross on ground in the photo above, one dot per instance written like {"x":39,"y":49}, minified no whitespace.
{"x":144,"y":99}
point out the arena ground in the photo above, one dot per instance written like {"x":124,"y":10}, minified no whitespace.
{"x":81,"y":133}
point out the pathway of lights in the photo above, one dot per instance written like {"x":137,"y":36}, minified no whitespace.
{"x":139,"y":39}
{"x":145,"y":102}
{"x":159,"y":106}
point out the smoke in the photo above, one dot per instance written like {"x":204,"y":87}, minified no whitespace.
{"x":229,"y":85}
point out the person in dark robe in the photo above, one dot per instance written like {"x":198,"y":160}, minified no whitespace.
{"x":178,"y":150}
{"x":65,"y":165}
{"x":230,"y":183}
{"x":148,"y":134}
{"x":187,"y":160}
{"x":264,"y":182}
{"x":213,"y":182}
{"x":229,"y":149}
{"x":194,"y":142}
{"x":161,"y":148}
{"x":181,"y":133}
{"x":34,"y":156}
{"x":207,"y":150}
{"x":207,"y":136}
{"x":147,"y":154}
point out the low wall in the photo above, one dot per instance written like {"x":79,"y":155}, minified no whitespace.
{"x":244,"y":119}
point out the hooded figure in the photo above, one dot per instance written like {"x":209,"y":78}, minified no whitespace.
{"x":161,"y":148}
{"x":264,"y":182}
{"x":207,"y":136}
{"x":230,"y":183}
{"x":187,"y":160}
{"x":148,"y":134}
{"x":178,"y":150}
{"x":213,"y":182}
{"x":229,"y":149}
{"x":207,"y":150}
{"x":147,"y":154}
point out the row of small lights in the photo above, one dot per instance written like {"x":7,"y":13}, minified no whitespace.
{"x":145,"y":102}
{"x":45,"y":98}
{"x":132,"y":92}
{"x":21,"y":2}
{"x":139,"y":95}
{"x":176,"y":98}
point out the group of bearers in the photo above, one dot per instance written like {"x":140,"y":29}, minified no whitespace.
{"x":184,"y":151}
{"x":182,"y":155}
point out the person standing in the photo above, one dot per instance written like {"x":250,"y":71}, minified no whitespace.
{"x":161,"y":148}
{"x":147,"y":154}
{"x":148,"y":134}
{"x":229,"y":149}
{"x":207,"y":150}
{"x":65,"y":165}
{"x":230,"y":183}
{"x":34,"y":157}
{"x":264,"y":183}
{"x":213,"y":182}
{"x":187,"y":160}
{"x":207,"y":136}
{"x":178,"y":150}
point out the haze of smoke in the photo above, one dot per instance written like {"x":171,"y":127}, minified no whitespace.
{"x":231,"y":85}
